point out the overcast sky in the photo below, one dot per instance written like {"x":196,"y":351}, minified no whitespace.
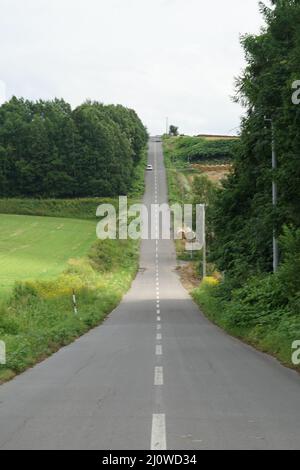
{"x":175,"y":58}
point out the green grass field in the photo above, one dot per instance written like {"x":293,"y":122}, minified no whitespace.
{"x":39,"y":247}
{"x":38,"y":237}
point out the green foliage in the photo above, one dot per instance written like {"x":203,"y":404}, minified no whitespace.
{"x":244,"y":217}
{"x":173,"y":131}
{"x":290,"y":268}
{"x":257,"y":313}
{"x":39,"y":318}
{"x":138,"y":184}
{"x":203,"y":190}
{"x":75,"y":208}
{"x":48,"y":150}
{"x":186,"y":149}
{"x":83,"y":208}
{"x":107,"y":255}
{"x":174,"y":192}
{"x":260,"y":301}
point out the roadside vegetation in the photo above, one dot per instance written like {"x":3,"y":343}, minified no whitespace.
{"x":189,"y":150}
{"x":188,"y":158}
{"x":243,"y":296}
{"x":48,"y":251}
{"x":196,"y":183}
{"x":39,"y":317}
{"x":43,"y":261}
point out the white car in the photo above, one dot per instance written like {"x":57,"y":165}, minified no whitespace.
{"x":149,"y":168}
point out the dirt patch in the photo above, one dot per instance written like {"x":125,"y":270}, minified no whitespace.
{"x":215,"y":173}
{"x":189,"y":276}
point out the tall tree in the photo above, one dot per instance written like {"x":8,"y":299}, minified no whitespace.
{"x":244,"y":217}
{"x":48,"y":150}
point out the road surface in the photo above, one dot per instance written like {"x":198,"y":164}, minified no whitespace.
{"x":155,"y":375}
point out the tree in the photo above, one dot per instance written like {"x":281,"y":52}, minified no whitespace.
{"x":243,"y":214}
{"x":173,"y":131}
{"x":48,"y":150}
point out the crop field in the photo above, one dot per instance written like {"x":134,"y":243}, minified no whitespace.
{"x":39,"y":247}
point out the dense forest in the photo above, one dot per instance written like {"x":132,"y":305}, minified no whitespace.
{"x":251,"y":301}
{"x":49,"y":150}
{"x":244,"y":217}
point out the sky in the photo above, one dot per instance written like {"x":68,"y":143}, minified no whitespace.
{"x":163,"y":58}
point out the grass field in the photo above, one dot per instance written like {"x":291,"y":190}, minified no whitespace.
{"x":39,"y":247}
{"x":49,"y":248}
{"x":49,"y":258}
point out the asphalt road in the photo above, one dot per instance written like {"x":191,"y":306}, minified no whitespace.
{"x":155,"y":375}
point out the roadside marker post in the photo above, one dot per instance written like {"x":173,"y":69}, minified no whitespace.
{"x":75,"y":303}
{"x":2,"y":353}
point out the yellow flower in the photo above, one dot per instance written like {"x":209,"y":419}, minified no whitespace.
{"x":210,"y":281}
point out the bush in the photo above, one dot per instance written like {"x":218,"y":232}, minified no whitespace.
{"x":258,"y":313}
{"x":39,"y":318}
{"x":260,"y":301}
{"x":289,"y":273}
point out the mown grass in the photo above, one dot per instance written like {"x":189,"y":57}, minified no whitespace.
{"x":49,"y":247}
{"x":39,"y":317}
{"x":39,"y":247}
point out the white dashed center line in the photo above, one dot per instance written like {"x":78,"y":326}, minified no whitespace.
{"x":158,"y":437}
{"x":158,"y":376}
{"x":158,"y":434}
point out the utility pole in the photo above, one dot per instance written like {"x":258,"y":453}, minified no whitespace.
{"x":204,"y":242}
{"x":274,"y":197}
{"x":167,"y":125}
{"x":275,"y":200}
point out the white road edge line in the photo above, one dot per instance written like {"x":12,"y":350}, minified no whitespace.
{"x":158,"y":350}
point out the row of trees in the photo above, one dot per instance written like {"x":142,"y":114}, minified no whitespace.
{"x":243,"y":216}
{"x":49,"y":150}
